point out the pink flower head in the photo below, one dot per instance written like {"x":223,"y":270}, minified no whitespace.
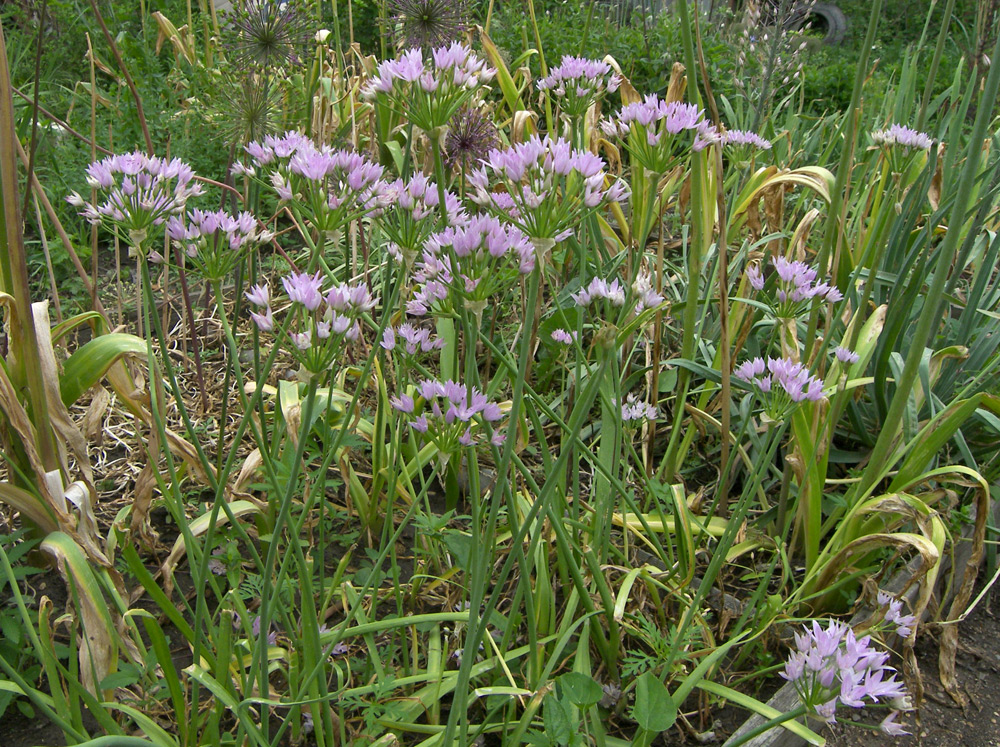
{"x":304,"y":289}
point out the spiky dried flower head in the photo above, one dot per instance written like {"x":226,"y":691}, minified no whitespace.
{"x":472,"y":134}
{"x":266,"y":34}
{"x":246,"y":108}
{"x":428,"y":23}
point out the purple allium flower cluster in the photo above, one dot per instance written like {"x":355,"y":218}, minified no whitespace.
{"x":577,"y":82}
{"x":446,"y":412}
{"x":634,"y":411}
{"x":831,"y":667}
{"x":545,"y":186}
{"x":412,"y":213}
{"x":333,"y":186}
{"x":905,"y":138}
{"x":894,"y":615}
{"x":321,"y":321}
{"x":614,"y":292}
{"x":781,"y":384}
{"x":140,"y":194}
{"x":564,"y":337}
{"x":428,"y":92}
{"x":414,"y":339}
{"x":272,"y":636}
{"x":469,"y":264}
{"x":846,"y":356}
{"x":214,"y":240}
{"x":744,"y":139}
{"x":796,"y":288}
{"x":655,"y":131}
{"x":647,"y":298}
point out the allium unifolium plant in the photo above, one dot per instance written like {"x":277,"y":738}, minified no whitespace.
{"x":213,"y":241}
{"x":781,"y":384}
{"x":831,"y":667}
{"x":466,"y":266}
{"x":449,"y":415}
{"x":321,"y":322}
{"x":795,"y":290}
{"x":656,"y":132}
{"x":412,"y":211}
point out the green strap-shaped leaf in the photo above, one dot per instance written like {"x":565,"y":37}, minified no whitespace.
{"x":89,"y":364}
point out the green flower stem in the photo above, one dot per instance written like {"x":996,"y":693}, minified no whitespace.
{"x":791,"y":715}
{"x":943,"y":36}
{"x":439,"y":175}
{"x":726,"y":541}
{"x":836,"y":216}
{"x":479,"y":581}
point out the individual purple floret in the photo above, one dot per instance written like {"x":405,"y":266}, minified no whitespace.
{"x":655,"y":132}
{"x":140,"y":194}
{"x":428,"y":91}
{"x":544,"y":186}
{"x":446,"y":413}
{"x":577,"y":82}
{"x":894,"y":615}
{"x":902,"y":137}
{"x":831,"y":667}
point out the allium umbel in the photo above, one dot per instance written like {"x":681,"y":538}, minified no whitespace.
{"x":333,"y":187}
{"x":780,"y":383}
{"x":544,"y":186}
{"x":214,"y":241}
{"x":467,"y":265}
{"x":140,"y":193}
{"x":447,"y":412}
{"x":321,"y":321}
{"x":577,"y":82}
{"x":831,"y":667}
{"x":796,"y":287}
{"x":428,"y":92}
{"x":656,"y":132}
{"x":904,"y":138}
{"x":411,"y":213}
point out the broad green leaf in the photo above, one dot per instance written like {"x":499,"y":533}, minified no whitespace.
{"x":580,"y":690}
{"x":654,"y":709}
{"x":557,"y":722}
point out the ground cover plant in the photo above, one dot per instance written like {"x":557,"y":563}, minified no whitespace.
{"x":464,"y":406}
